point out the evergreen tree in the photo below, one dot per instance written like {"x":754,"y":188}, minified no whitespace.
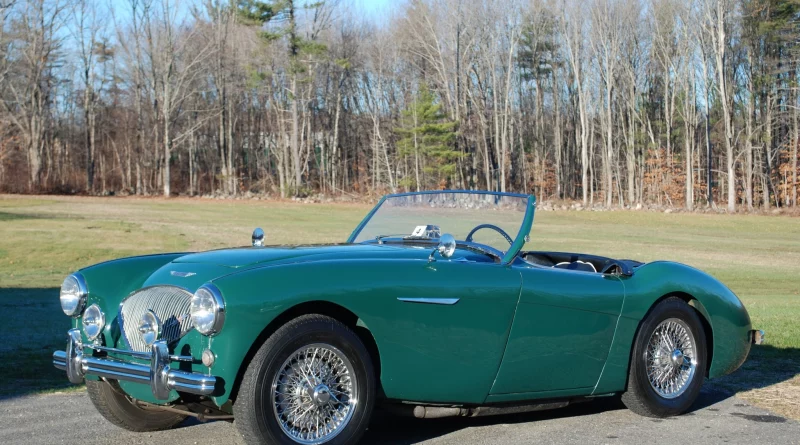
{"x":262,"y":13}
{"x":428,"y":138}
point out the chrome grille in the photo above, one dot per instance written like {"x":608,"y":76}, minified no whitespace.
{"x":171,"y":306}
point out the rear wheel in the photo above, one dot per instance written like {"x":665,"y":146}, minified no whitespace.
{"x":668,"y":361}
{"x":118,"y":409}
{"x":311,"y":382}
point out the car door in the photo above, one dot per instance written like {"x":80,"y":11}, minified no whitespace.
{"x":442,"y":328}
{"x":561,"y":333}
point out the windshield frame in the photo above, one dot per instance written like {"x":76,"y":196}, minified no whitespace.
{"x":513,"y":250}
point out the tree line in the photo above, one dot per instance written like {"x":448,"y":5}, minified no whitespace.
{"x":610,"y":102}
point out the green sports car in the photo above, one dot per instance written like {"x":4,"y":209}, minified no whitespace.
{"x":431,"y":308}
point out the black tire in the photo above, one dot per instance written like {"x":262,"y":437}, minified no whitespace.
{"x":253,"y":408}
{"x":119,"y":410}
{"x":640,"y":396}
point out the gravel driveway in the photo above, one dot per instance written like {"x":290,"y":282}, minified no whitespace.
{"x":71,"y":418}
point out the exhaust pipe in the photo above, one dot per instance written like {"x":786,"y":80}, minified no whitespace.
{"x":438,"y":412}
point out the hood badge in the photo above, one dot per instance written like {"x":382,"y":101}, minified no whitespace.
{"x":175,"y":273}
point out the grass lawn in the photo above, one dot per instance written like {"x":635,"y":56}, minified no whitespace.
{"x":42,"y":239}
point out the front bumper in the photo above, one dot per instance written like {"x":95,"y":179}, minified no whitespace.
{"x":161,"y":378}
{"x":757,"y":337}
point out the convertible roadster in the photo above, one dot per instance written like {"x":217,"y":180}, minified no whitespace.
{"x":431,"y":308}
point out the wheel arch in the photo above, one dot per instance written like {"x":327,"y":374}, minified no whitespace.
{"x":616,"y":372}
{"x":321,"y":307}
{"x":702,"y":313}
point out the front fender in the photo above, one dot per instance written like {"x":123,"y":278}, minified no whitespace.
{"x":255,"y":297}
{"x":110,"y":282}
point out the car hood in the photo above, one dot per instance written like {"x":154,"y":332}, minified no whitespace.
{"x":192,"y":270}
{"x":250,"y":256}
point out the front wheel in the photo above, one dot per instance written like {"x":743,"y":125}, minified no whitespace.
{"x":668,"y":361}
{"x":112,"y":404}
{"x":311,"y":382}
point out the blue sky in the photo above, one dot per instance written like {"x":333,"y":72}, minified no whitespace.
{"x":374,"y":7}
{"x":377,"y":10}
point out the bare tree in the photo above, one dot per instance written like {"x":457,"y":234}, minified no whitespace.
{"x":572,"y":26}
{"x":267,"y":96}
{"x":609,"y":26}
{"x":717,"y":28}
{"x":86,"y":29}
{"x":35,"y":38}
{"x":176,"y":56}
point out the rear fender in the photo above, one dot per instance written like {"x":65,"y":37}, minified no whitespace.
{"x":728,"y":319}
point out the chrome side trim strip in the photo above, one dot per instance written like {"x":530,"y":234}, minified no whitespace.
{"x":443,"y":301}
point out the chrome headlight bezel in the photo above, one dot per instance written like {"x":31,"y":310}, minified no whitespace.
{"x":94,"y":320}
{"x":73,"y":300}
{"x":207,"y":309}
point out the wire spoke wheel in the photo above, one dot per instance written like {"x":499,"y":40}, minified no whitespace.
{"x":671,"y":358}
{"x":314,"y":394}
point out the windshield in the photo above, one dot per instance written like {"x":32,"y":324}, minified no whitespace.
{"x":427,"y":215}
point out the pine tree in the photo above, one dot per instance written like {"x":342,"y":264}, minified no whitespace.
{"x":285,"y":12}
{"x":427,"y":137}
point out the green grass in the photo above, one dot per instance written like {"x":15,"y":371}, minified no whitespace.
{"x":43,"y":239}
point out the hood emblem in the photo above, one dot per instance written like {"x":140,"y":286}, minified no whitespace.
{"x":175,"y":273}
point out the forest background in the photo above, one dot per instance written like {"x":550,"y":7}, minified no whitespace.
{"x":613,"y":103}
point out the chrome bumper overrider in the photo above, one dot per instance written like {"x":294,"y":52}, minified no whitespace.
{"x":159,"y":375}
{"x":757,"y":337}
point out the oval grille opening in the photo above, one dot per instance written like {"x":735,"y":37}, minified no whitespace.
{"x":171,"y":306}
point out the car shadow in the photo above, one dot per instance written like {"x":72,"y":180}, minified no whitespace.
{"x":33,"y":327}
{"x":766,"y":366}
{"x":386,"y":428}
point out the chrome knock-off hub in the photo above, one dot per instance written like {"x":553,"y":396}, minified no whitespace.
{"x":677,"y":358}
{"x":321,"y":395}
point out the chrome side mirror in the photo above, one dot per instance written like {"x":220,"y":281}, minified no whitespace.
{"x":258,"y":237}
{"x":446,"y":247}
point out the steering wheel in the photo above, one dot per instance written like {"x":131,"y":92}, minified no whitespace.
{"x":488,"y":226}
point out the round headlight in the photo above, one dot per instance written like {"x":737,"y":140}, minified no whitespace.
{"x":73,"y":295}
{"x":207,"y":310}
{"x":149,"y":327}
{"x":93,"y":322}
